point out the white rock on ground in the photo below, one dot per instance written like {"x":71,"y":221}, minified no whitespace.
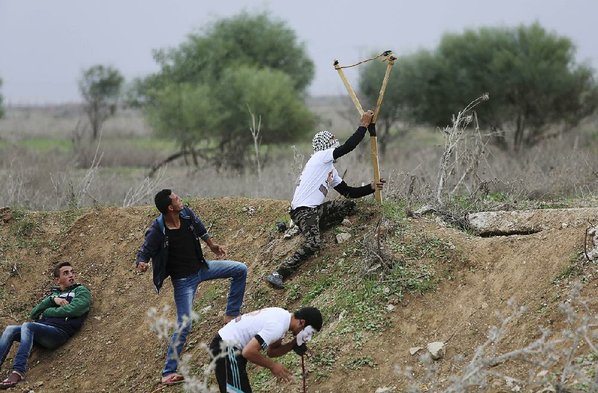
{"x":414,"y":350}
{"x":521,"y":221}
{"x":343,"y":237}
{"x":436,"y":350}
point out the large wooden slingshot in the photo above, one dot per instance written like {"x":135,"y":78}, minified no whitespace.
{"x":390,"y":59}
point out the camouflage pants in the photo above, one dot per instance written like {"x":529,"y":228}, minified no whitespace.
{"x":310,"y":221}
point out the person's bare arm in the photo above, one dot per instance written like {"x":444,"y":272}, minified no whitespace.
{"x":216,"y":248}
{"x":277,"y":348}
{"x":252,"y":352}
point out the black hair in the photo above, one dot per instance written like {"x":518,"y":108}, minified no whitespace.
{"x":56,"y":271}
{"x":311,"y":315}
{"x":162,"y":200}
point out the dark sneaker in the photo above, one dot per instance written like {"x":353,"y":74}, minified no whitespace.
{"x":275,"y":280}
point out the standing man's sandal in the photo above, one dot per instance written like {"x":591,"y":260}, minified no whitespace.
{"x":172,"y":379}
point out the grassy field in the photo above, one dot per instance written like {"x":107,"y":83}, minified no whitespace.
{"x":401,"y":282}
{"x":48,"y":162}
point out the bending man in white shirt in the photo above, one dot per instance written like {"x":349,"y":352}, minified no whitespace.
{"x":242,"y":340}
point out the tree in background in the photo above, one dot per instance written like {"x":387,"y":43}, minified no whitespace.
{"x":537,"y":89}
{"x":370,"y":80}
{"x":1,"y":100}
{"x":100,"y":87}
{"x":237,"y":66}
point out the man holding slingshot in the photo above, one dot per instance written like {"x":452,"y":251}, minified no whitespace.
{"x":308,"y":209}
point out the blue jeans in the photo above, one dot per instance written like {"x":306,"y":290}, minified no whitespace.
{"x":46,"y":336}
{"x":184,"y":292}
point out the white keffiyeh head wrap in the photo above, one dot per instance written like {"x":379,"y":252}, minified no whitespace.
{"x":324,"y":140}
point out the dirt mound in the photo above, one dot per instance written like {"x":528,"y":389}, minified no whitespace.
{"x":116,"y":351}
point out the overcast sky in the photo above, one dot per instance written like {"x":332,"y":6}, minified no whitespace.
{"x":45,"y":44}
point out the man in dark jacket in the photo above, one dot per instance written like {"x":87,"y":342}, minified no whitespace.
{"x":172,"y":243}
{"x":308,"y":209}
{"x":56,"y":318}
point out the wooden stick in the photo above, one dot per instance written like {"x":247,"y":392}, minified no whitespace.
{"x":391,"y":62}
{"x":350,"y":90}
{"x":374,"y":139}
{"x":375,"y":166}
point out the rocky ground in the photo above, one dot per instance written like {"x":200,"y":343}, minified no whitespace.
{"x":530,"y":258}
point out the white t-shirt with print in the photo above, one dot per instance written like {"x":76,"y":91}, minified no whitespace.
{"x":318,"y":176}
{"x":270,"y":323}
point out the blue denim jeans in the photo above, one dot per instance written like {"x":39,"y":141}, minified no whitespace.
{"x":184,"y":292}
{"x":44,"y":335}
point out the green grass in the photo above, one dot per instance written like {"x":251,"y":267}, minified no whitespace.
{"x":361,"y":362}
{"x":363,"y":303}
{"x":261,"y":298}
{"x":260,"y":379}
{"x":316,"y":289}
{"x":45,"y":145}
{"x":394,"y":210}
{"x":572,"y":270}
{"x":293,"y":293}
{"x":562,"y":204}
{"x":68,"y":218}
{"x":325,"y":358}
{"x":423,"y":247}
{"x":416,"y":261}
{"x":143,"y":143}
{"x":41,"y":145}
{"x":211,"y":294}
{"x":24,"y":230}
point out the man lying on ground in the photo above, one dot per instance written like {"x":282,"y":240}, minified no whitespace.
{"x":55,"y":319}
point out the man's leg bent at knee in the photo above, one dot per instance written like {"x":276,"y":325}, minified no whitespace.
{"x":237,"y":273}
{"x":308,"y":248}
{"x":333,"y":213}
{"x":308,"y":222}
{"x":11,"y":334}
{"x":48,"y":336}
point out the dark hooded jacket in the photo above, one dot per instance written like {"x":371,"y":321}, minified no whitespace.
{"x":155,"y":246}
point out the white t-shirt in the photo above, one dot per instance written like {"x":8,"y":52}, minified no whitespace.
{"x":318,"y":176}
{"x":270,"y":323}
